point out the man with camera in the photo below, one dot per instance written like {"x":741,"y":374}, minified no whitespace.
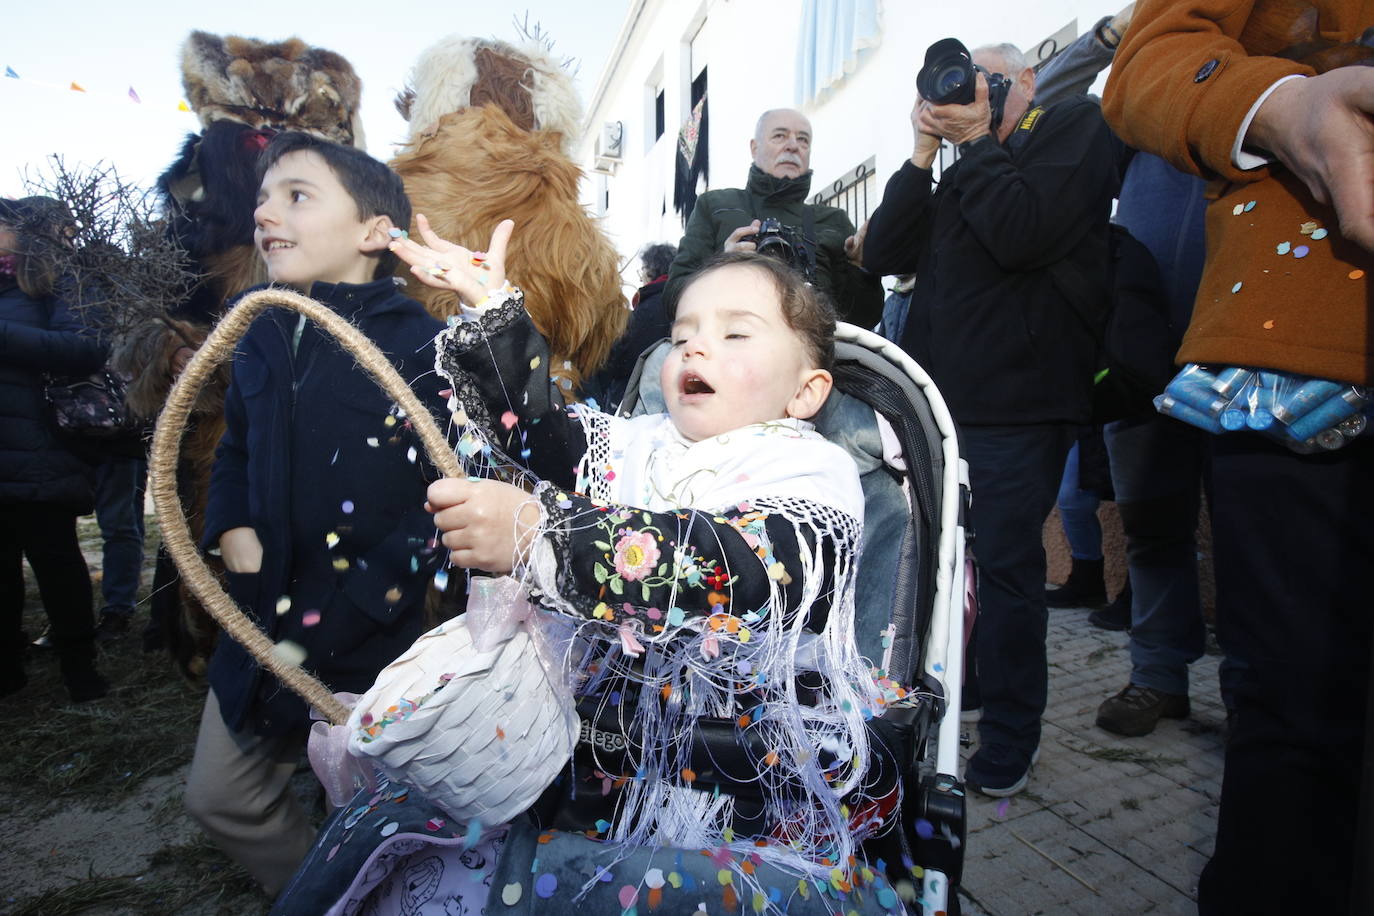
{"x":770,"y":214}
{"x":1009,"y":250}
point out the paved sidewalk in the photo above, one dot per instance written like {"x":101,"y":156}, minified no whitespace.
{"x":1130,"y":821}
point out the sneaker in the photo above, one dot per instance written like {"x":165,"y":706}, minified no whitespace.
{"x":44,"y":640}
{"x":999,"y":770}
{"x":111,"y":627}
{"x":1136,"y":710}
{"x":1115,"y":616}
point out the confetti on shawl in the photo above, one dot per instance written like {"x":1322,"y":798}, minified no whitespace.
{"x":511,"y":894}
{"x":347,"y":507}
{"x":390,"y":828}
{"x":474,"y":834}
{"x":283,"y":604}
{"x":508,"y":419}
{"x":441,"y":579}
{"x":310,"y":618}
{"x":924,"y":829}
{"x":333,"y":852}
{"x":434,"y":823}
{"x":331,"y":539}
{"x":629,"y":895}
{"x":545,"y":885}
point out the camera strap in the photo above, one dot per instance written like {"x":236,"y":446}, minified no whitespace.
{"x":809,"y":234}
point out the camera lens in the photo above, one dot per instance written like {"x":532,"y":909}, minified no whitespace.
{"x":947,"y":75}
{"x":949,"y":81}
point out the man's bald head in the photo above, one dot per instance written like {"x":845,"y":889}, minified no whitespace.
{"x":782,"y":143}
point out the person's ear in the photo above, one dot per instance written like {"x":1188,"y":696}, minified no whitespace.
{"x":753,"y":148}
{"x":1026,"y":83}
{"x":814,"y":388}
{"x":377,"y":234}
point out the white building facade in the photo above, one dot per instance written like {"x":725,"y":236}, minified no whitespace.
{"x":745,"y":55}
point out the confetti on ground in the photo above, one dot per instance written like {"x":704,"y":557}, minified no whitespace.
{"x":1356,"y":274}
{"x":1318,"y":234}
{"x":1238,"y":209}
{"x":1002,"y":807}
{"x":1301,"y":251}
{"x":1269,"y":325}
{"x":1308,"y":227}
{"x":1249,"y":206}
{"x":1236,"y":288}
{"x":1284,"y":247}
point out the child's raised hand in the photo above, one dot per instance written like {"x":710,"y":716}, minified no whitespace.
{"x":486,"y":524}
{"x":444,"y":265}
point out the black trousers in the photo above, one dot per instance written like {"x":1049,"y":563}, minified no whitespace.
{"x":46,"y":535}
{"x":1294,"y":553}
{"x":1014,"y":472}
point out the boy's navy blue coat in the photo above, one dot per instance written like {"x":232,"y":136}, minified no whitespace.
{"x":316,"y":460}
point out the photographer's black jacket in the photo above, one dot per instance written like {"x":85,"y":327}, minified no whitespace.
{"x":1010,"y":256}
{"x":858,"y":296}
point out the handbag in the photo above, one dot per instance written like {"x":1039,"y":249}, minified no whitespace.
{"x":92,"y":406}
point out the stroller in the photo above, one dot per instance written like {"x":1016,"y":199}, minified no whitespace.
{"x":910,"y":598}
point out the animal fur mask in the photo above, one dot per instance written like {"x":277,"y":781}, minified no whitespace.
{"x":287,"y":85}
{"x":533,"y":89}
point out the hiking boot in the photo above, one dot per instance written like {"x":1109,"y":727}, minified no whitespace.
{"x":1084,"y":588}
{"x":1136,"y":710}
{"x":1115,"y":616}
{"x":111,"y":627}
{"x":999,"y":770}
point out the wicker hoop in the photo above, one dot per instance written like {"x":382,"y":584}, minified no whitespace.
{"x":166,"y":449}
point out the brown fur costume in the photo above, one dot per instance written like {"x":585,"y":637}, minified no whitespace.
{"x":287,"y":85}
{"x":488,"y":128}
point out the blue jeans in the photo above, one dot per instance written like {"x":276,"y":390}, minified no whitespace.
{"x":1078,"y":513}
{"x":119,"y":484}
{"x":1014,"y":472}
{"x":1157,"y":467}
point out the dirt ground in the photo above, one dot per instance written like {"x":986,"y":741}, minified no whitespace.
{"x":91,"y":800}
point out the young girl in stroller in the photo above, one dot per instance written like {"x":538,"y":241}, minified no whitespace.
{"x":705,"y":558}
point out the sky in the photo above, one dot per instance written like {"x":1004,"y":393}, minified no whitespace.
{"x":109,"y":48}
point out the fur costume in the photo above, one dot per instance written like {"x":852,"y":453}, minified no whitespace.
{"x":282,"y":85}
{"x":490,"y":128}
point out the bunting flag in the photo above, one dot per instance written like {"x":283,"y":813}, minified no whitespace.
{"x":73,"y":86}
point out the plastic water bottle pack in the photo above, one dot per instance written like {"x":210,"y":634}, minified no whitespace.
{"x":1306,"y":414}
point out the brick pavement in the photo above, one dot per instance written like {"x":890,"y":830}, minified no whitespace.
{"x":1132,"y":818}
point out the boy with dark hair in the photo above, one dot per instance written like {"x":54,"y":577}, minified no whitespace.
{"x":316,"y":498}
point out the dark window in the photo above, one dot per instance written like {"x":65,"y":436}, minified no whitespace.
{"x":658,"y":115}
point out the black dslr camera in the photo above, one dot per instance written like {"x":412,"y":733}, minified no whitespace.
{"x":787,"y":244}
{"x":949,"y":77}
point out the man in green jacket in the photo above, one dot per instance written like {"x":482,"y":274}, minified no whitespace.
{"x":779,"y":183}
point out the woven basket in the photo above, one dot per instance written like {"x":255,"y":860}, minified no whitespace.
{"x":487,"y":743}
